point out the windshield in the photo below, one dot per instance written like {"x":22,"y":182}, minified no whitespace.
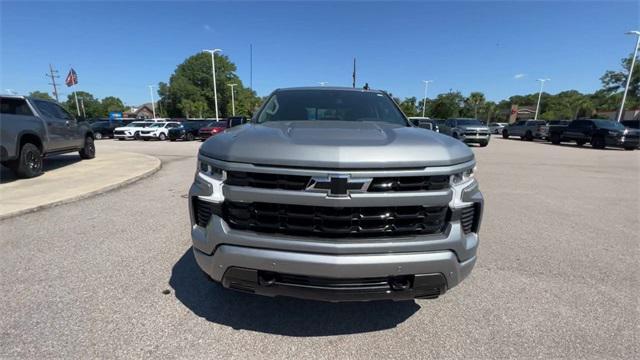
{"x":335,"y":105}
{"x":157,"y":125}
{"x":136,"y":124}
{"x":609,"y":124}
{"x":469,"y":122}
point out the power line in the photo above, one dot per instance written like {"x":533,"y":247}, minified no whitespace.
{"x":53,"y":74}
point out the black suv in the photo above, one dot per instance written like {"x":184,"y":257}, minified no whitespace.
{"x":599,"y":133}
{"x":187,"y":131}
{"x":104,"y":128}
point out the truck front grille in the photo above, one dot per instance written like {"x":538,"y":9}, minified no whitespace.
{"x":335,"y":221}
{"x":300,"y":182}
{"x":118,"y":132}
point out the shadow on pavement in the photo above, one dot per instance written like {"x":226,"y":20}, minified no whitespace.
{"x":49,"y":164}
{"x":282,"y":316}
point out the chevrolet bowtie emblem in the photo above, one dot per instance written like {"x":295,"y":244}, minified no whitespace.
{"x":338,"y":185}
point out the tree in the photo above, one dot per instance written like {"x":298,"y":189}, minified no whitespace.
{"x":474,"y":101}
{"x":111,"y":104}
{"x":92,"y":106}
{"x":40,"y":95}
{"x":489,"y":110}
{"x":615,"y":81}
{"x":192,"y":81}
{"x":447,"y":105}
{"x":409,"y":106}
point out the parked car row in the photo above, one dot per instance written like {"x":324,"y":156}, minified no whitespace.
{"x":599,"y":133}
{"x":162,"y":130}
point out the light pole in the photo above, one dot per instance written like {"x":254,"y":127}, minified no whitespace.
{"x":633,"y":62}
{"x":84,"y":114}
{"x":153,"y":104}
{"x":542,"y":81}
{"x":233,"y":100}
{"x":323,"y":83}
{"x":424,"y":102}
{"x":213,"y":70}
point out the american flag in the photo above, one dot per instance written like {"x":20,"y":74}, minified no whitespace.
{"x":72,"y":78}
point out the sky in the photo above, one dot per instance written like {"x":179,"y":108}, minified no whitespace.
{"x":498,"y":48}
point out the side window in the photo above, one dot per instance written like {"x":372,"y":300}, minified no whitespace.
{"x":52,"y":110}
{"x":14,"y":107}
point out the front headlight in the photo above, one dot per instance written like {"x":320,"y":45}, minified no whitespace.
{"x":215,"y":178}
{"x":463,"y":177}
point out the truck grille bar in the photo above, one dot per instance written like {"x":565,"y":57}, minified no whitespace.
{"x":300,"y":182}
{"x":334,"y":221}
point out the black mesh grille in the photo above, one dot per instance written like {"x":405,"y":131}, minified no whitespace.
{"x":468,"y":219}
{"x":334,"y":221}
{"x":299,"y":182}
{"x":410,"y":183}
{"x":267,"y":181}
{"x":203,"y":211}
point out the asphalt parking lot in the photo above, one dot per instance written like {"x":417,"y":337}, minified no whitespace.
{"x":557,"y":275}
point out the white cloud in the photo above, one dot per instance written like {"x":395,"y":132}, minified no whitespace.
{"x":206,"y":27}
{"x":519,"y":76}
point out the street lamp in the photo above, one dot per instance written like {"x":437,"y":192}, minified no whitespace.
{"x":213,"y":70}
{"x":233,"y":100}
{"x":424,"y":102}
{"x":542,"y":81}
{"x":323,"y":83}
{"x":633,"y":62}
{"x":153,"y":104}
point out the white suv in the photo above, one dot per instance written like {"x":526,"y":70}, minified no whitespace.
{"x":131,"y":130}
{"x":158,"y":131}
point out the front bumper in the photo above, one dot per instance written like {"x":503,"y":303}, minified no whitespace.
{"x":120,"y":136}
{"x":475,"y":139}
{"x":149,"y":136}
{"x":429,"y":264}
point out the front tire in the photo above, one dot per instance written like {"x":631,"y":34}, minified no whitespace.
{"x":98,"y":135}
{"x":483,"y":144}
{"x":189,"y":137}
{"x":89,"y":149}
{"x":162,"y":137}
{"x":29,"y":162}
{"x":136,"y":135}
{"x":597,"y":142}
{"x":528,"y":136}
{"x":505,"y":134}
{"x":630,"y":148}
{"x":555,"y":139}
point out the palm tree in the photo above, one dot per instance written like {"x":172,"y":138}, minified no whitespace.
{"x":476,"y":99}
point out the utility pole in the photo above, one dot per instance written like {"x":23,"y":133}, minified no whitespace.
{"x":353,"y":84}
{"x":53,"y":74}
{"x":233,"y":100}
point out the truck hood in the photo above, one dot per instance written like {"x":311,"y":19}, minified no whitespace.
{"x":336,"y":145}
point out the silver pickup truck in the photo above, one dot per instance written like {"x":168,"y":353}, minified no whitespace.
{"x":31,"y":129}
{"x":331,"y":194}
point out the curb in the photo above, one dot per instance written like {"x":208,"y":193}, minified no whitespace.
{"x":103,"y":190}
